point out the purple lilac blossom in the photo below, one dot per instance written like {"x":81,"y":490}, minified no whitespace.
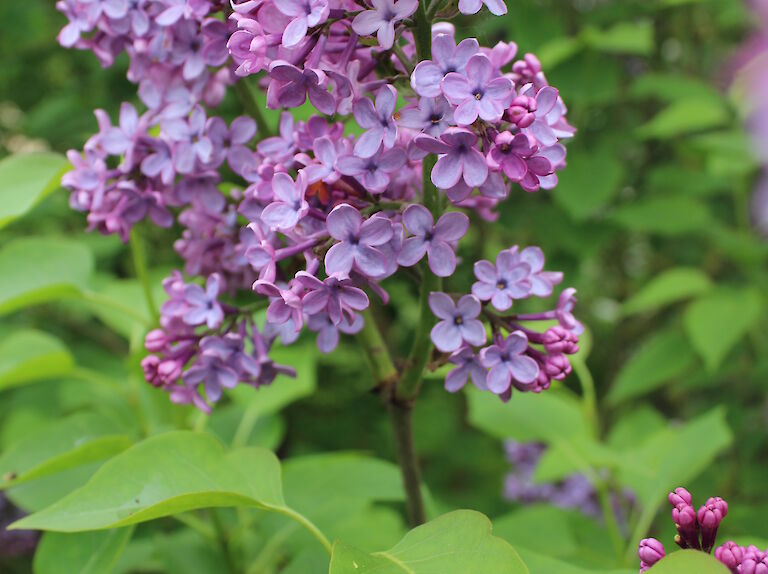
{"x":447,"y":57}
{"x":476,"y":92}
{"x":378,"y":120}
{"x":459,"y":322}
{"x":496,"y":7}
{"x":432,"y":239}
{"x":508,"y":363}
{"x":382,"y":19}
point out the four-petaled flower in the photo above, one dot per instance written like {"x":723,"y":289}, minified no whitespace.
{"x":373,"y":172}
{"x":509,"y":279}
{"x":382,"y":19}
{"x":467,"y":365}
{"x":293,"y":85}
{"x":459,"y":158}
{"x":289,"y":204}
{"x":459,"y":322}
{"x":202,"y":305}
{"x":434,"y":240}
{"x":334,"y":296}
{"x":476,"y":93}
{"x":305,"y":14}
{"x":509,"y":364}
{"x":432,"y":116}
{"x":496,"y":7}
{"x":447,"y":57}
{"x":378,"y":120}
{"x":358,"y":240}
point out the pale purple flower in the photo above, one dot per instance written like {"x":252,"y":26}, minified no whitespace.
{"x":289,"y":205}
{"x":517,"y":156}
{"x":328,"y":332}
{"x":230,"y":348}
{"x":324,"y":169}
{"x":290,"y":87}
{"x":215,"y":37}
{"x":459,"y":158}
{"x":202,"y":305}
{"x":248,"y":47}
{"x":285,"y":305}
{"x":373,"y":172}
{"x":564,"y":311}
{"x":214,"y":374}
{"x":496,"y":7}
{"x":476,"y":92}
{"x":467,"y":365}
{"x":447,"y":57}
{"x":281,"y":147}
{"x":191,"y":145}
{"x":432,"y":116}
{"x":378,"y":120}
{"x":332,"y":296}
{"x":382,"y":19}
{"x":434,"y":240}
{"x":305,"y":14}
{"x":501,"y":284}
{"x":459,"y":322}
{"x":358,"y":240}
{"x":121,"y":139}
{"x":549,"y":123}
{"x":230,"y":143}
{"x":542,"y":282}
{"x":187,"y":49}
{"x":509,"y":364}
{"x":177,"y":9}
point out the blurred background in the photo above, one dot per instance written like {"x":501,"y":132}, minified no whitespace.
{"x":653,"y":222}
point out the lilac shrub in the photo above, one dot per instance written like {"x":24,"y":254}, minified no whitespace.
{"x":697,"y":530}
{"x":313,"y":219}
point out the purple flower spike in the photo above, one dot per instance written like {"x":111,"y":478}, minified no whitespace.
{"x":730,"y":554}
{"x":289,"y":205}
{"x":467,"y":365}
{"x":382,"y":19}
{"x":358,"y":240}
{"x":684,"y":516}
{"x":305,"y":14}
{"x":332,"y":296}
{"x":459,"y":159}
{"x":434,"y":240}
{"x":650,"y":552}
{"x":378,"y":120}
{"x":459,"y":322}
{"x":509,"y":364}
{"x":496,"y":7}
{"x":447,"y":57}
{"x":373,"y":172}
{"x":709,"y":516}
{"x":476,"y":93}
{"x":290,"y":87}
{"x":202,"y":306}
{"x":502,"y":284}
{"x":432,"y":116}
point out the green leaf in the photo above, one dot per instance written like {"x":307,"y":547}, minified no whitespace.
{"x":592,"y":179}
{"x":664,"y":215}
{"x":460,"y":541}
{"x":689,"y":562}
{"x":543,"y":563}
{"x":27,"y":356}
{"x":37,"y":270}
{"x":78,"y":440}
{"x":670,"y":87}
{"x":623,"y":38}
{"x":523,"y":528}
{"x":83,"y":552}
{"x":25,"y":180}
{"x":164,"y":475}
{"x":668,"y":287}
{"x":662,"y":358}
{"x":684,"y":117}
{"x":716,"y":322}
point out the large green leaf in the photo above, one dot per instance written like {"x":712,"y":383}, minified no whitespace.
{"x":25,"y":180}
{"x":460,"y":541}
{"x":544,"y":563}
{"x":673,"y":215}
{"x":37,"y":270}
{"x":78,"y":440}
{"x":523,"y":528}
{"x":689,"y":562}
{"x":684,"y":117}
{"x":622,"y":38}
{"x":164,"y":475}
{"x":665,"y":356}
{"x":81,"y":552}
{"x":27,"y":356}
{"x":668,"y":287}
{"x":592,"y":179}
{"x":716,"y":322}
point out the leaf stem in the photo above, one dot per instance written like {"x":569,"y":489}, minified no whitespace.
{"x":139,"y":253}
{"x":222,"y":538}
{"x":614,"y":533}
{"x":306,"y":523}
{"x":251,"y":107}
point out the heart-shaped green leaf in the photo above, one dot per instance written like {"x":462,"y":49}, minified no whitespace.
{"x":81,"y":552}
{"x":689,"y":562}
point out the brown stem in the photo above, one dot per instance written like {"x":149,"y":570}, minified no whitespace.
{"x":401,"y":417}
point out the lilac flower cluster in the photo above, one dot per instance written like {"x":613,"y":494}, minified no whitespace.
{"x":697,"y":529}
{"x":518,"y":357}
{"x":311,"y":219}
{"x":573,"y":492}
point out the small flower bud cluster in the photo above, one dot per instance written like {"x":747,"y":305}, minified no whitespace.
{"x":697,"y":530}
{"x":311,"y":220}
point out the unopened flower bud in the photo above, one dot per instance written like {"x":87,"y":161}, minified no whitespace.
{"x":684,"y":516}
{"x":557,"y":366}
{"x":650,"y":551}
{"x":730,"y":554}
{"x":155,"y":341}
{"x":558,"y":339}
{"x":709,"y":517}
{"x":679,"y":496}
{"x":521,"y":111}
{"x":754,"y":561}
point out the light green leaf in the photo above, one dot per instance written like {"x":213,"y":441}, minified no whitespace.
{"x":662,"y":358}
{"x":82,"y":552}
{"x":25,"y":180}
{"x":164,"y":475}
{"x":689,"y":562}
{"x":27,"y":356}
{"x":460,"y":541}
{"x":543,"y":563}
{"x":37,"y":270}
{"x":716,"y":322}
{"x":684,"y":117}
{"x":523,"y":528}
{"x":592,"y":179}
{"x":668,"y":287}
{"x":664,"y":215}
{"x":78,"y":440}
{"x":622,"y":38}
{"x":673,"y":87}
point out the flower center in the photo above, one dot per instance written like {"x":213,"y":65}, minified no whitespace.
{"x":501,"y":284}
{"x":458,"y":320}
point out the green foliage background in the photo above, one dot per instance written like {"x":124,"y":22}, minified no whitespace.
{"x":650,"y":223}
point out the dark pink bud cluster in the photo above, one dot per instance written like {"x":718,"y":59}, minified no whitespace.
{"x":650,"y":552}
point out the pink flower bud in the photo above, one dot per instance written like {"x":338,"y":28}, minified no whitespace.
{"x":680,"y":495}
{"x":730,"y":554}
{"x":650,"y":551}
{"x":155,"y":341}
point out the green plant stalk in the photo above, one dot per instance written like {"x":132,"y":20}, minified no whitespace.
{"x":306,"y":523}
{"x":252,"y":108}
{"x":222,"y":538}
{"x":139,"y":253}
{"x":614,"y":533}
